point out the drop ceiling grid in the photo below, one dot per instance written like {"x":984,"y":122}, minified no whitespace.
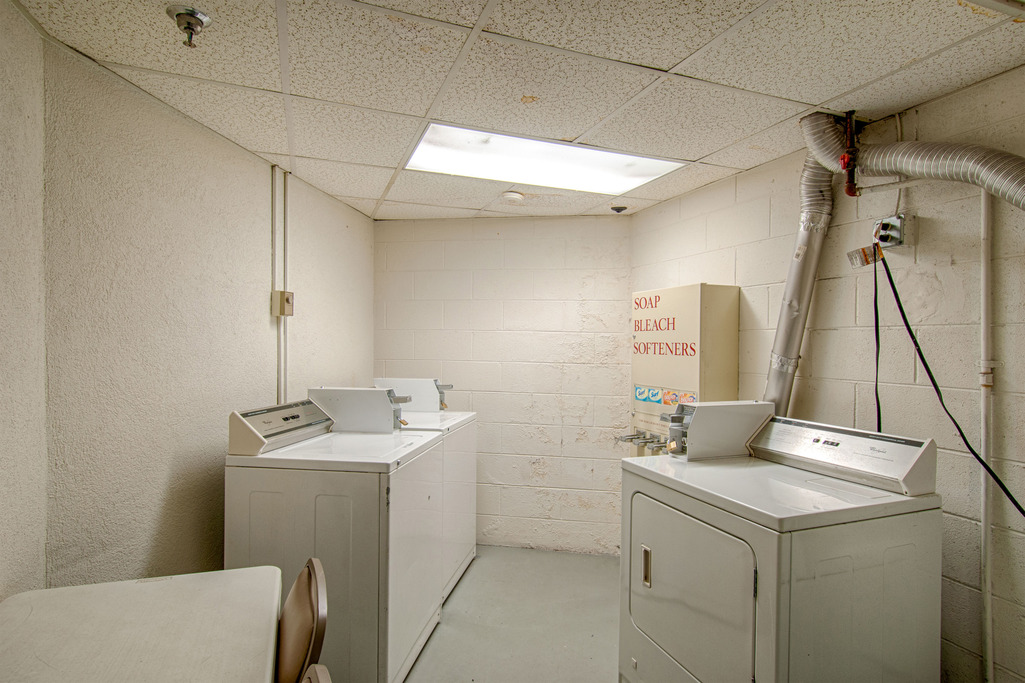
{"x":686,"y":119}
{"x":419,"y":187}
{"x":764,"y":146}
{"x":345,"y":53}
{"x":364,"y":206}
{"x":240,"y":46}
{"x":339,"y":178}
{"x":970,"y":61}
{"x":648,"y":32}
{"x":450,"y":11}
{"x":519,"y":88}
{"x":812,"y":56}
{"x":254,"y":119}
{"x":390,"y":211}
{"x":690,"y":177}
{"x":325,"y":130}
{"x":595,"y":67}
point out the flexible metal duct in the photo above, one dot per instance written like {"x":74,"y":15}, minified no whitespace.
{"x":1000,"y":173}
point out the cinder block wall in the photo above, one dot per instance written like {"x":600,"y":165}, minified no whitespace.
{"x":529,"y":319}
{"x":741,"y":231}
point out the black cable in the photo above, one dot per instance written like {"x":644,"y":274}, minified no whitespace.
{"x":875,"y":310}
{"x":939,"y":394}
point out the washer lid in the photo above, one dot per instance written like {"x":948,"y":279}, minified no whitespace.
{"x":344,"y":452}
{"x":775,"y":496}
{"x":443,"y":421}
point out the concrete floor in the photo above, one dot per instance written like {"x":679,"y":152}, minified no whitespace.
{"x":521,"y":615}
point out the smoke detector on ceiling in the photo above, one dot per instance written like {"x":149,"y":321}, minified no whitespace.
{"x":190,"y":21}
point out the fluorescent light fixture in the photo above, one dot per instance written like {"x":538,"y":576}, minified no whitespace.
{"x":463,"y":152}
{"x":1016,"y":8}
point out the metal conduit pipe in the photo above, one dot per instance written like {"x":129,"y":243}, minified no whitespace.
{"x":999,"y":173}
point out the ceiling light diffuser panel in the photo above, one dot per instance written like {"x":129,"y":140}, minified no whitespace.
{"x":464,"y":152}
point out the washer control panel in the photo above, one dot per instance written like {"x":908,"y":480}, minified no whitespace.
{"x":265,"y":429}
{"x":885,"y":461}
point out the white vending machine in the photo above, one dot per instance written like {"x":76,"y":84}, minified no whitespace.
{"x":817,"y":559}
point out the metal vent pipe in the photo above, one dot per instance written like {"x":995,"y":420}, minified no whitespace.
{"x":1000,"y":173}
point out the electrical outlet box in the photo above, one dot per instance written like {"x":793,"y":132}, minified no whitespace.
{"x":281,"y":303}
{"x":894,"y":231}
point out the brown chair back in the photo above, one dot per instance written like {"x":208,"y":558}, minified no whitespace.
{"x":302,"y":623}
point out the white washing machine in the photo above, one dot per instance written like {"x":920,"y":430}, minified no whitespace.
{"x":744,"y":569}
{"x":369,"y":505}
{"x":388,"y":406}
{"x":427,"y":411}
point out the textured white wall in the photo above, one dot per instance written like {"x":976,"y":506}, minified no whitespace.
{"x":331,"y":271}
{"x":529,"y":320}
{"x":740,"y":231}
{"x":22,"y":352}
{"x":158,"y":272}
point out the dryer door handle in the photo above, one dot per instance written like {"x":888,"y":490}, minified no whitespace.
{"x":646,"y":566}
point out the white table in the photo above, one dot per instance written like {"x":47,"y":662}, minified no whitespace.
{"x":213,"y":626}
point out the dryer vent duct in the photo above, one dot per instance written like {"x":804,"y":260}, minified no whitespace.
{"x":999,"y":173}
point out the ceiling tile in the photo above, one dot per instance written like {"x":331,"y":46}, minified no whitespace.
{"x":969,"y":62}
{"x":337,"y":178}
{"x":546,"y":201}
{"x":254,"y":119}
{"x":685,"y":119}
{"x":649,"y":32}
{"x":811,"y":52}
{"x":513,"y":87}
{"x":355,"y":55}
{"x":393,"y":211}
{"x":771,"y":143}
{"x":324,"y":130}
{"x":451,"y":11}
{"x":444,"y":190}
{"x":364,"y":206}
{"x":240,"y":45}
{"x":688,"y":178}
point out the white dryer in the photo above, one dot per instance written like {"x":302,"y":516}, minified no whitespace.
{"x":743,"y":569}
{"x":427,"y":411}
{"x":369,"y":505}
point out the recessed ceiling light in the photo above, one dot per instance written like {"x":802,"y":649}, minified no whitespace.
{"x":464,"y":152}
